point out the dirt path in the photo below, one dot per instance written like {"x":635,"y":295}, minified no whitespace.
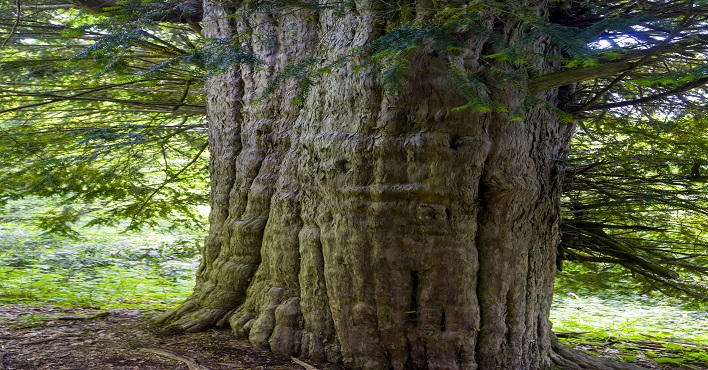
{"x":120,"y":339}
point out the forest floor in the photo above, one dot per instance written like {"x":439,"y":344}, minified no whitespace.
{"x":49,"y":338}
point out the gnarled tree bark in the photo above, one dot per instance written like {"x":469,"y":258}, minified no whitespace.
{"x":380,"y":230}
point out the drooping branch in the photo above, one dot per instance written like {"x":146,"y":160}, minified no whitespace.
{"x":570,"y":76}
{"x":184,"y":11}
{"x":18,"y":19}
{"x":49,"y":98}
{"x":168,"y":179}
{"x":648,"y":99}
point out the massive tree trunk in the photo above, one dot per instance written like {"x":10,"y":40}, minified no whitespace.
{"x":374,"y":228}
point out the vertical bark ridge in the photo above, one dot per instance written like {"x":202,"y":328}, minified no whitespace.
{"x":555,"y":137}
{"x":319,"y":340}
{"x":272,"y":315}
{"x":512,"y":249}
{"x":381,"y":230}
{"x":541,"y":272}
{"x":209,"y":303}
{"x":336,"y":141}
{"x":369,"y":183}
{"x":518,"y":224}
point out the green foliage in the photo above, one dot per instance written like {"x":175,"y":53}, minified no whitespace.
{"x":83,"y":122}
{"x":259,"y":6}
{"x":101,"y":268}
{"x":301,"y":72}
{"x":391,"y":52}
{"x":579,"y":42}
{"x":217,"y":55}
{"x":474,"y":90}
{"x":30,"y":321}
{"x":633,"y":210}
{"x":639,"y":327}
{"x":387,"y":56}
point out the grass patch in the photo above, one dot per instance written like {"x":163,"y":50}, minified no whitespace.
{"x":637,"y":328}
{"x":630,"y":318}
{"x":102,"y":268}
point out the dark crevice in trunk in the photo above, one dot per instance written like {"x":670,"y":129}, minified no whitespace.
{"x":413,"y":309}
{"x":454,"y":142}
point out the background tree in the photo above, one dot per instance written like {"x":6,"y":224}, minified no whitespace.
{"x":99,"y":113}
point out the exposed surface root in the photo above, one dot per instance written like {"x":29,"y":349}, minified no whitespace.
{"x":190,"y":318}
{"x":190,"y":362}
{"x":567,"y":358}
{"x":118,"y":342}
{"x":303,"y":364}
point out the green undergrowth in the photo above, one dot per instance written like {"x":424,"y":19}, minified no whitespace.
{"x":104,"y":267}
{"x":633,"y":328}
{"x":101,"y":270}
{"x":107,"y":267}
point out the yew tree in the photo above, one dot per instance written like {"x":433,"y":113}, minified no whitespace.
{"x":385,"y":182}
{"x":386,"y":177}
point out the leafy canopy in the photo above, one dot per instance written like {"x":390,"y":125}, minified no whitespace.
{"x":100,"y":114}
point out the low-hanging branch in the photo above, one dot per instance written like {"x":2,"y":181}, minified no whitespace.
{"x":699,"y":82}
{"x":570,"y":76}
{"x":615,"y":248}
{"x":53,"y":98}
{"x":169,"y":179}
{"x":185,"y":11}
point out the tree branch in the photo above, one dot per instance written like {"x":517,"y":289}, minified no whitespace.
{"x":185,"y":11}
{"x":14,"y":26}
{"x":569,"y":76}
{"x":685,"y":87}
{"x":566,"y":77}
{"x":190,"y":362}
{"x":168,"y":179}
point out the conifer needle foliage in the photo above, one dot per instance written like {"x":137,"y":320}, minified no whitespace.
{"x":103,"y":113}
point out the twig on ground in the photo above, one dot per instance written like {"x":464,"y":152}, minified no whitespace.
{"x":303,"y":364}
{"x":190,"y":362}
{"x":2,"y":360}
{"x":49,"y":339}
{"x":100,"y":315}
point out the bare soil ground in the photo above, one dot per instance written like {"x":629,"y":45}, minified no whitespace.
{"x":48,"y":338}
{"x":91,"y":340}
